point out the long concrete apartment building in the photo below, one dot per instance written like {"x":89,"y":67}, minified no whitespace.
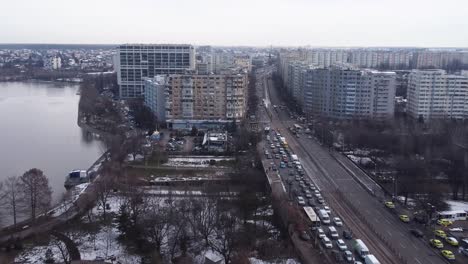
{"x":347,"y":93}
{"x":133,"y":62}
{"x":434,"y":94}
{"x":202,"y":101}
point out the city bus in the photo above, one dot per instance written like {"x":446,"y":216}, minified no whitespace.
{"x":312,"y":215}
{"x":452,"y":215}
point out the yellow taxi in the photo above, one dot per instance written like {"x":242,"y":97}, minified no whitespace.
{"x":440,"y":233}
{"x":436,"y":243}
{"x":448,"y":254}
{"x":444,"y":222}
{"x":404,"y":218}
{"x":390,"y":205}
{"x":452,"y":241}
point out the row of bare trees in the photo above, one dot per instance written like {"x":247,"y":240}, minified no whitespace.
{"x":169,"y":227}
{"x":28,"y":195}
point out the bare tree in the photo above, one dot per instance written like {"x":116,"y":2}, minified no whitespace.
{"x":104,"y":188}
{"x":157,"y":224}
{"x":35,"y":191}
{"x":63,"y":250}
{"x":203,"y":216}
{"x":10,"y":196}
{"x":227,"y":238}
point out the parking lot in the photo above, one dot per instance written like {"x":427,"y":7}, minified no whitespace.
{"x":452,"y":235}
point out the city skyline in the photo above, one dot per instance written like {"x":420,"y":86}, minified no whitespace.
{"x":337,"y":23}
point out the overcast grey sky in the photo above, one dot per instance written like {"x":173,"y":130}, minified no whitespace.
{"x":427,"y":23}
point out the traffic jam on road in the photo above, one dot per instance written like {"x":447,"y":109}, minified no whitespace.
{"x":447,"y":238}
{"x":326,"y":227}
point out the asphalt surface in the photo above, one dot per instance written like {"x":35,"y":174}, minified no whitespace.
{"x":350,"y":194}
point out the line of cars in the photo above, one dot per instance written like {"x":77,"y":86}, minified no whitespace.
{"x":309,"y":194}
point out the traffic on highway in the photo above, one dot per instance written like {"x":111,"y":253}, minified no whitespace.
{"x":338,"y":196}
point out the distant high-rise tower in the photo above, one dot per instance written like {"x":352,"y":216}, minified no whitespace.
{"x":134,"y":62}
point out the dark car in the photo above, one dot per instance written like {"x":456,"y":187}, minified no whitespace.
{"x":417,"y":233}
{"x":420,"y":218}
{"x":337,"y":256}
{"x":304,"y":236}
{"x":347,"y":234}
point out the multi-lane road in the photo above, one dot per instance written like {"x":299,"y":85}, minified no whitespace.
{"x":350,"y":193}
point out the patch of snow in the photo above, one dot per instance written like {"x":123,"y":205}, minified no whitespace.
{"x":201,"y":162}
{"x":280,"y":261}
{"x":458,"y":205}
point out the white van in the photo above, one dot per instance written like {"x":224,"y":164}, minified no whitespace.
{"x":371,"y":259}
{"x":333,"y":233}
{"x":324,"y":217}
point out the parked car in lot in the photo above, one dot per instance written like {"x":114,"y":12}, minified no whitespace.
{"x":444,"y":222}
{"x":320,"y":200}
{"x":440,"y":233}
{"x":448,"y":254}
{"x":417,"y":233}
{"x":436,"y":243}
{"x":327,"y":209}
{"x":451,"y":241}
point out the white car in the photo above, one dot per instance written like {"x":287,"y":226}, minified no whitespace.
{"x":348,"y":256}
{"x":341,"y":245}
{"x":327,"y":209}
{"x":327,"y":242}
{"x":321,"y":233}
{"x":337,"y":221}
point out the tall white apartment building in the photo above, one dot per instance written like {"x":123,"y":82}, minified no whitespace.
{"x":438,"y":59}
{"x":434,"y":94}
{"x":285,"y":58}
{"x":326,"y":58}
{"x":295,"y":81}
{"x":376,"y":58}
{"x":155,"y":96}
{"x":133,"y":62}
{"x":346,"y":93}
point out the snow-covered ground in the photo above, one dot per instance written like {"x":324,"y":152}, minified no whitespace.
{"x":63,"y":206}
{"x":360,"y":160}
{"x":101,"y":242}
{"x":458,"y":205}
{"x":102,"y":245}
{"x":279,"y":261}
{"x":197,"y":162}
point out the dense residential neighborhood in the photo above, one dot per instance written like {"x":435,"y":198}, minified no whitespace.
{"x":234,"y":132}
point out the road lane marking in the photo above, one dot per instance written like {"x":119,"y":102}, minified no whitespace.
{"x":390,"y":233}
{"x":402,"y":245}
{"x":417,"y":260}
